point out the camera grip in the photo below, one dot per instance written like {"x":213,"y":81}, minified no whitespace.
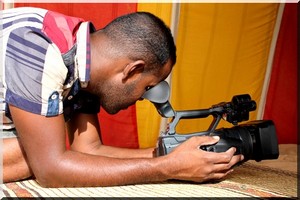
{"x":223,"y":145}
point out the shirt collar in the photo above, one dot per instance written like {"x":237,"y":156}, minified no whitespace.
{"x":83,"y":52}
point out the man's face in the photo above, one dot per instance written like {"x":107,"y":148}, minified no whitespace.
{"x":115,"y":97}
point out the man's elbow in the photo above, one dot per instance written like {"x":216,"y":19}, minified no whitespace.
{"x":48,"y":179}
{"x":51,"y":176}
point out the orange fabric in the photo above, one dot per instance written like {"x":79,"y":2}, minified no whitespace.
{"x":281,"y":105}
{"x":222,"y":51}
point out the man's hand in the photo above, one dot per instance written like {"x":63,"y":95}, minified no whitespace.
{"x":189,"y":162}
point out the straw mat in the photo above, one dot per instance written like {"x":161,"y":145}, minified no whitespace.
{"x":277,"y":178}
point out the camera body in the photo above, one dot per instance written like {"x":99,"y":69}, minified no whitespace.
{"x":256,"y":140}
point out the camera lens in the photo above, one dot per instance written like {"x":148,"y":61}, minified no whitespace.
{"x":256,"y":140}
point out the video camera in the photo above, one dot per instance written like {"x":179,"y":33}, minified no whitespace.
{"x":256,"y":140}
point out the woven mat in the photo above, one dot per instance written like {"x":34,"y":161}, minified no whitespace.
{"x":272,"y":181}
{"x":277,"y":178}
{"x":247,"y":181}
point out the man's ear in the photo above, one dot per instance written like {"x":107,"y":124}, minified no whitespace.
{"x":132,"y":69}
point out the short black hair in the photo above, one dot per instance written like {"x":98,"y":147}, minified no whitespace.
{"x":143,"y":35}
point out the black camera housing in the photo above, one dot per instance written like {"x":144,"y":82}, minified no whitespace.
{"x":256,"y":140}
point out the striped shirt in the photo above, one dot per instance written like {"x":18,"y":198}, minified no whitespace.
{"x":45,"y":61}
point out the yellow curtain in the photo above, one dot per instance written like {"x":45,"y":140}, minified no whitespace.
{"x":147,"y":117}
{"x":222,"y":50}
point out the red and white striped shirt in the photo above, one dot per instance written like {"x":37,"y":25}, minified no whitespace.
{"x":37,"y":69}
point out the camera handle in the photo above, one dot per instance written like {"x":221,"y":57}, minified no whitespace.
{"x":235,"y":111}
{"x":159,"y":96}
{"x":216,"y":112}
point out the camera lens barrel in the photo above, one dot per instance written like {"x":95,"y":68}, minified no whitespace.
{"x":256,"y":140}
{"x":237,"y":137}
{"x":265,"y":143}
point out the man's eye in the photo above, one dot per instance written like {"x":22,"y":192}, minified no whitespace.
{"x":148,"y":88}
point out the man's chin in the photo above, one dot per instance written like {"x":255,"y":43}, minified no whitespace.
{"x":113,"y":111}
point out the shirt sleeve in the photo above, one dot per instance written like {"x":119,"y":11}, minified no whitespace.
{"x":34,"y":72}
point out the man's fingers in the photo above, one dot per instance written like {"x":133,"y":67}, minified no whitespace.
{"x":226,"y":166}
{"x":229,"y":160}
{"x":220,"y":175}
{"x":225,"y":157}
{"x":205,"y":140}
{"x":220,"y":170}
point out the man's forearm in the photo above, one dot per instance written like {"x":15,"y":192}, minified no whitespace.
{"x":15,"y":166}
{"x":87,"y":140}
{"x":102,"y":171}
{"x":116,"y":152}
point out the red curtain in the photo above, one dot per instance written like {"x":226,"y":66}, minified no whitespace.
{"x":99,"y":13}
{"x":282,"y":96}
{"x":120,"y":129}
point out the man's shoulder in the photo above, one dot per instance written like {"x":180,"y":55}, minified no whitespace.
{"x":21,"y":11}
{"x":61,"y":29}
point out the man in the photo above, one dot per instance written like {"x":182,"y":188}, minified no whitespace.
{"x":58,"y":69}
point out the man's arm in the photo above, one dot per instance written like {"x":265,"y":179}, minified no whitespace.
{"x":43,"y":140}
{"x":84,"y":136}
{"x":15,"y":166}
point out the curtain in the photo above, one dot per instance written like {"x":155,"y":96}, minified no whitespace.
{"x":282,"y":98}
{"x":222,"y":51}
